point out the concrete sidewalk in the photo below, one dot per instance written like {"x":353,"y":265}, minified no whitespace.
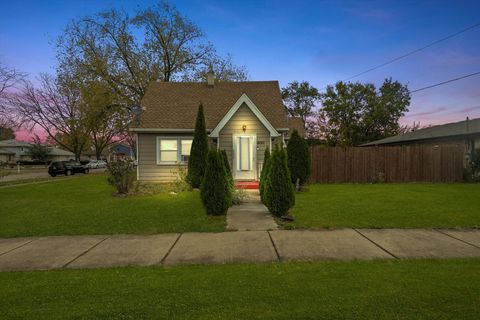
{"x":22,"y":254}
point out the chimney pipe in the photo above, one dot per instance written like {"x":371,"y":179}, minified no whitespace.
{"x":210,"y":77}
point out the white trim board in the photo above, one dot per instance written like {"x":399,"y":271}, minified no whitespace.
{"x":244,"y":99}
{"x":160,"y":130}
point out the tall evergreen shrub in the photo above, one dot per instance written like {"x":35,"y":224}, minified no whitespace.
{"x":279,"y":193}
{"x":198,"y":153}
{"x":215,"y":191}
{"x":298,"y":159}
{"x":264,"y":174}
{"x":228,"y":175}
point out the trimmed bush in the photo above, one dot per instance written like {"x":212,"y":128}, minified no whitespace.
{"x":279,"y":194}
{"x":264,"y":174}
{"x":121,"y":175}
{"x":298,"y":159}
{"x":215,"y":190}
{"x":198,"y":154}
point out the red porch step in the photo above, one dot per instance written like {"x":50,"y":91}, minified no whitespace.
{"x":246,"y":184}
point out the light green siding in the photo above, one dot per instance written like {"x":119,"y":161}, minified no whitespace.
{"x":244,"y":116}
{"x":148,"y":169}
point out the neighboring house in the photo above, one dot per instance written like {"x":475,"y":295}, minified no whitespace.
{"x":6,"y":156}
{"x":466,"y":133}
{"x":120,"y":151}
{"x":243,"y":118}
{"x":57,"y":154}
{"x":19,"y":151}
{"x":112,"y":152}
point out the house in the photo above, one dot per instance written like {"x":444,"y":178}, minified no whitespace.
{"x":242,"y":118}
{"x":6,"y":156}
{"x":18,"y":151}
{"x":56,"y":154}
{"x":465,"y":133}
{"x":112,"y":152}
{"x":120,"y":151}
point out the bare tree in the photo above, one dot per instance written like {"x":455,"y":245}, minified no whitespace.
{"x":54,"y":108}
{"x":9,"y":79}
{"x":410,"y":128}
{"x":176,"y":43}
{"x":224,"y":68}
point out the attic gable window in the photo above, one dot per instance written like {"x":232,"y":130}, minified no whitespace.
{"x":173,"y":150}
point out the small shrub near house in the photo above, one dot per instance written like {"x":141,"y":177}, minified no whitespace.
{"x":298,"y":160}
{"x":198,"y":152}
{"x":3,"y":170}
{"x":121,"y":175}
{"x":279,"y":194}
{"x":239,"y":196}
{"x":264,"y":174}
{"x":215,"y":190}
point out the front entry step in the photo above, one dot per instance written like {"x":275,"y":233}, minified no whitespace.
{"x":253,"y":185}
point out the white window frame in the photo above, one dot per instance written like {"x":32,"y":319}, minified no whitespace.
{"x":179,"y":149}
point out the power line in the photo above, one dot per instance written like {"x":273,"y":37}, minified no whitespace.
{"x":445,"y":82}
{"x":413,"y":52}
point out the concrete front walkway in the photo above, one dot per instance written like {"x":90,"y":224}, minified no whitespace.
{"x":22,"y":254}
{"x":251,"y":215}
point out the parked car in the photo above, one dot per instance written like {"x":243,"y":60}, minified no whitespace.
{"x":67,"y":168}
{"x":101,"y":164}
{"x":95,"y":164}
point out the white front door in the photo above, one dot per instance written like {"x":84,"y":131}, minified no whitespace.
{"x":244,"y":156}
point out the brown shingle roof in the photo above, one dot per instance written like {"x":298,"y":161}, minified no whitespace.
{"x":174,"y":105}
{"x":296,"y":123}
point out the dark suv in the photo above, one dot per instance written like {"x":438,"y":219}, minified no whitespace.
{"x":66,"y":167}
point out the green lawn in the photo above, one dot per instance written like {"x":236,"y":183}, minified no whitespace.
{"x":387,"y":206}
{"x":421,"y":289}
{"x":85,"y":205}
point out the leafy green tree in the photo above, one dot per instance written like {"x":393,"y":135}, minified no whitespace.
{"x":198,"y":154}
{"x":264,"y":174}
{"x":156,"y":43}
{"x":279,"y":193}
{"x":298,"y":159}
{"x":299,"y":99}
{"x":37,"y":151}
{"x":215,"y":191}
{"x":355,"y":113}
{"x":104,"y":119}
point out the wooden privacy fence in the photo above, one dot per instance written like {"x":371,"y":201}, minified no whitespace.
{"x":417,"y":163}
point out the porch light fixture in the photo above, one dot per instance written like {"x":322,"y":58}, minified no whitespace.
{"x":244,"y":128}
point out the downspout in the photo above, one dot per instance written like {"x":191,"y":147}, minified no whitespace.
{"x":137,"y":145}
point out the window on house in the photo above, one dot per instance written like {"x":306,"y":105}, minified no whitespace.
{"x":186,"y":147}
{"x":173,"y":150}
{"x":168,"y":150}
